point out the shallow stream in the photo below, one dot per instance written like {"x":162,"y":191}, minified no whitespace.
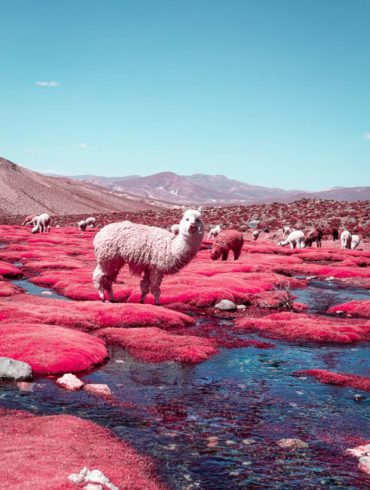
{"x":215,"y":426}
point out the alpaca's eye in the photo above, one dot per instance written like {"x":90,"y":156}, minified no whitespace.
{"x":187,"y":219}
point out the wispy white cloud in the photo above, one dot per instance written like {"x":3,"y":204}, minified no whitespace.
{"x":48,"y":84}
{"x":83,"y":146}
{"x":367,"y":136}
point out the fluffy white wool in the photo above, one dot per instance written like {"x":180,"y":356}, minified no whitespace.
{"x":41,"y":223}
{"x":147,"y":249}
{"x":294,"y":239}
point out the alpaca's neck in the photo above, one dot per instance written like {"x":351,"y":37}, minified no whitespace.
{"x":183,"y":249}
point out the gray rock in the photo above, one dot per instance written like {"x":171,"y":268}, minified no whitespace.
{"x":12,"y":369}
{"x":226,"y":305}
{"x":241,"y":307}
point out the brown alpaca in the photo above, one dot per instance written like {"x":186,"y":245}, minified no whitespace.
{"x":225,"y":241}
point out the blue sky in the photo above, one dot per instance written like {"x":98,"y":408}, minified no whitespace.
{"x":270,"y":92}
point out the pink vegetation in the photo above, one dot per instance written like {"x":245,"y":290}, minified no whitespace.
{"x":328,"y":377}
{"x":8,"y":270}
{"x":50,"y":349}
{"x":302,"y":327}
{"x":356,"y":308}
{"x":88,"y":315}
{"x":49,"y":448}
{"x":225,"y":241}
{"x":8,"y":289}
{"x":153,"y":345}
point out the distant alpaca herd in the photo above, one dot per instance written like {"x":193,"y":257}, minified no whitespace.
{"x":153,"y":252}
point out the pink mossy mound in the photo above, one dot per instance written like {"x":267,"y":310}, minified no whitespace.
{"x":50,"y":349}
{"x":356,"y":308}
{"x":40,"y":452}
{"x":8,"y":270}
{"x":153,"y":345}
{"x":328,"y":377}
{"x":8,"y":289}
{"x":88,"y":315}
{"x":293,"y":327}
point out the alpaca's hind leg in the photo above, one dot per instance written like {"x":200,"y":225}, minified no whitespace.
{"x":237,"y":253}
{"x":144,"y":286}
{"x":155,"y":280}
{"x":225,"y":255}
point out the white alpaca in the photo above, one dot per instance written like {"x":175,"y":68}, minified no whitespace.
{"x":213,"y":232}
{"x":356,"y":240}
{"x":255,"y":234}
{"x":295,"y":239}
{"x":345,"y":239}
{"x":90,"y":222}
{"x":146,"y":249}
{"x":41,"y":223}
{"x":83,"y":224}
{"x":286,"y":231}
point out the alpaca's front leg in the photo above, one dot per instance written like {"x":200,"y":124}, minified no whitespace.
{"x":155,"y":280}
{"x":98,"y":279}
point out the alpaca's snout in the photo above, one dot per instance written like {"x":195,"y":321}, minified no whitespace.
{"x":193,"y":227}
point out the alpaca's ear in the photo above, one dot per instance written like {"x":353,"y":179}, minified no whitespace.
{"x":200,"y":209}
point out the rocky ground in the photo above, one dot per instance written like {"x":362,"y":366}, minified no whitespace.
{"x":299,"y":214}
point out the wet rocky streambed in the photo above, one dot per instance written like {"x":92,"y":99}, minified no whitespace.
{"x":216,"y":425}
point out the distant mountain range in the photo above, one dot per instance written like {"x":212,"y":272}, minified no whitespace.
{"x":23,"y":191}
{"x":213,"y":190}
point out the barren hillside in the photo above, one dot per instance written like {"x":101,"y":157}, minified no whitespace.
{"x":23,"y":191}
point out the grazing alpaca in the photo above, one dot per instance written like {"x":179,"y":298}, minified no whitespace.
{"x":225,"y":241}
{"x":41,"y":223}
{"x":145,"y":249}
{"x":83,"y":224}
{"x":356,"y":240}
{"x":28,"y":220}
{"x":213,"y":232}
{"x":90,"y":222}
{"x":314,"y":235}
{"x":335,"y":234}
{"x":255,"y":234}
{"x":295,"y":239}
{"x":345,"y":239}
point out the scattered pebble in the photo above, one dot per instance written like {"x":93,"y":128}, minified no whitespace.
{"x":98,"y":389}
{"x":25,"y":386}
{"x":93,"y":476}
{"x":212,"y":441}
{"x":226,"y":305}
{"x":292,"y":443}
{"x":247,"y":442}
{"x":70,"y":382}
{"x":359,"y":398}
